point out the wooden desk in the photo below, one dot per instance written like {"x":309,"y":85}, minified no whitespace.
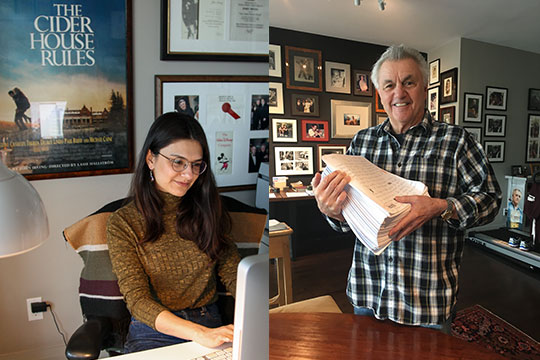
{"x":313,"y":336}
{"x":279,"y":249}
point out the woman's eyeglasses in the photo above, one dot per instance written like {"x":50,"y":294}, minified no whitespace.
{"x":180,"y":164}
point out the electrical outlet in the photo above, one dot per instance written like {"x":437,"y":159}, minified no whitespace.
{"x":33,"y":316}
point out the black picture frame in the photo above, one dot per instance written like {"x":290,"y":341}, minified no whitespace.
{"x":297,"y":58}
{"x":494,"y":150}
{"x":496,"y":98}
{"x":434,"y":71}
{"x":534,"y":100}
{"x":472,"y":109}
{"x":476,"y":131}
{"x":449,"y":86}
{"x":532,"y":153}
{"x":447,"y":114}
{"x":495,"y":125}
{"x":304,"y":104}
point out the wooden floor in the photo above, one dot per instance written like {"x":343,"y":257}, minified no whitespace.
{"x":510,"y":291}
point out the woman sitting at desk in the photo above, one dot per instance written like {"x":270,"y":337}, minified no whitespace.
{"x":167,"y":244}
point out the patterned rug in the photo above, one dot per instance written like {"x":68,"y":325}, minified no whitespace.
{"x":487,"y":329}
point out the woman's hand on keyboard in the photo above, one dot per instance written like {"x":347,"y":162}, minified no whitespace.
{"x":210,"y":337}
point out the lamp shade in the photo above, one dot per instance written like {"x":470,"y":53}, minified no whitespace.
{"x":23,"y":220}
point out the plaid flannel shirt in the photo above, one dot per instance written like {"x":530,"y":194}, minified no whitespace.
{"x":415,"y":280}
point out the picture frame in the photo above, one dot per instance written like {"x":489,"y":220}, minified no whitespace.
{"x":381,"y":118}
{"x":284,"y":130}
{"x":434,"y":71}
{"x":447,"y":114}
{"x":64,"y":130}
{"x":221,"y":31}
{"x":324,"y":149}
{"x":494,"y":150}
{"x":338,"y":77}
{"x":362,"y":84}
{"x":534,"y":100}
{"x":274,"y":60}
{"x":517,"y":170}
{"x":275,"y":98}
{"x":533,"y":139}
{"x":449,"y":86}
{"x":496,"y":98}
{"x":303,"y":68}
{"x":348,"y":117}
{"x":378,"y":103}
{"x":472,"y":110}
{"x":315,"y":130}
{"x":476,"y":132}
{"x":433,"y":102}
{"x":495,"y":125}
{"x":224,"y":107}
{"x":305,"y":105}
{"x":293,"y":160}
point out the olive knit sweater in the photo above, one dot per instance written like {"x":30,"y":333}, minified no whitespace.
{"x":168,"y":274}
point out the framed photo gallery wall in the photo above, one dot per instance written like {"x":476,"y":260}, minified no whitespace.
{"x":233,"y":110}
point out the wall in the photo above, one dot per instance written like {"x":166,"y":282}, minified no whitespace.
{"x":52,"y":271}
{"x":484,"y":64}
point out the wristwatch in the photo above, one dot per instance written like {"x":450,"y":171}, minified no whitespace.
{"x":447,"y":214}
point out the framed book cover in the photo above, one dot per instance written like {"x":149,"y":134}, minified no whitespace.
{"x":67,"y":69}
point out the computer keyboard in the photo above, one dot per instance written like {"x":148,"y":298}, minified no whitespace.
{"x":225,"y":354}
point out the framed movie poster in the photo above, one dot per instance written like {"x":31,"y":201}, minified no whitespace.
{"x":221,"y":30}
{"x":233,"y":110}
{"x":303,"y":68}
{"x":66,"y":104}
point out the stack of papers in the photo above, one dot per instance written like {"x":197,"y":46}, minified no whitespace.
{"x":370,"y":208}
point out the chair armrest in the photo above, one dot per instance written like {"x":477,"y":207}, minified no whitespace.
{"x":86,"y":342}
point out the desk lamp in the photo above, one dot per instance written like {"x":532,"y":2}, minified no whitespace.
{"x":23,"y":220}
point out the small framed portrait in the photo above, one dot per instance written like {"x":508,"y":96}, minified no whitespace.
{"x":448,"y":114}
{"x":533,"y":139}
{"x":293,"y":160}
{"x":275,"y":98}
{"x":434,"y":67}
{"x":314,"y":130}
{"x":449,"y":87}
{"x":381,"y":118}
{"x":305,"y":105}
{"x":433,"y":102}
{"x":496,"y":98}
{"x":495,"y":125}
{"x":378,"y":103}
{"x":348,"y":117}
{"x":362,"y":83}
{"x":338,"y":77}
{"x":494,"y":150}
{"x":517,"y":170}
{"x":329,"y":149}
{"x":534,"y":100}
{"x":476,"y":132}
{"x":274,"y":60}
{"x":303,"y":68}
{"x":473,"y":107}
{"x":284,"y":130}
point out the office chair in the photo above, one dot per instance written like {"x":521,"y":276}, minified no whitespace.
{"x":104,"y":310}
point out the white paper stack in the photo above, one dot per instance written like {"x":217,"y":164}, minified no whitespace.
{"x":370,"y":208}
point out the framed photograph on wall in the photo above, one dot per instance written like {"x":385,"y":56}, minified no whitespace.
{"x":495,"y":125}
{"x":67,"y":108}
{"x":224,"y":107}
{"x":275,"y":98}
{"x":293,"y":160}
{"x":314,"y":130}
{"x":496,"y":98}
{"x":448,"y":114}
{"x":348,"y":117}
{"x":329,"y":149}
{"x":284,"y":130}
{"x":494,"y":150}
{"x":449,"y":88}
{"x":434,"y":71}
{"x":305,"y":105}
{"x":476,"y":132}
{"x":433,"y":102}
{"x":338,"y":77}
{"x":226,"y":30}
{"x":533,"y":139}
{"x":362,"y":84}
{"x":534,"y":100}
{"x":472,"y":111}
{"x":303,"y":68}
{"x":378,"y":104}
{"x":274,"y":60}
{"x":381,"y":118}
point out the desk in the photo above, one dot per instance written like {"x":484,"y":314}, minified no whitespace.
{"x":185,"y":351}
{"x":312,"y":336}
{"x":279,"y":249}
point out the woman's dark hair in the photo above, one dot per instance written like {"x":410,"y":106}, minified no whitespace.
{"x":200,"y":215}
